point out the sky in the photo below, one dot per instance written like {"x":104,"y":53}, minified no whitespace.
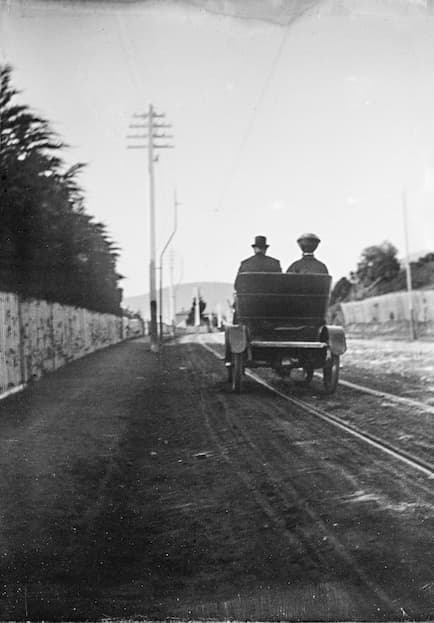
{"x":287,"y":117}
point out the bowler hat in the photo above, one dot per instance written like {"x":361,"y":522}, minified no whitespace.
{"x":308,"y":242}
{"x":261,"y":242}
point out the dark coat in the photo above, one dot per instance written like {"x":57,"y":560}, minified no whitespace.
{"x":259,"y":263}
{"x":308,"y":264}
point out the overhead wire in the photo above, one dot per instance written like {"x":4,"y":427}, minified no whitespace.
{"x":129,"y":55}
{"x":5,"y":7}
{"x":297,"y":12}
{"x":135,"y":78}
{"x":268,"y":78}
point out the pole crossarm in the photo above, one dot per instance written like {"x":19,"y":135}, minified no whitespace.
{"x":151,"y":131}
{"x":145,"y":115}
{"x":159,"y":135}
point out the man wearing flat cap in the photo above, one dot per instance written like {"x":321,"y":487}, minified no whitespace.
{"x":308,"y":263}
{"x":259,"y":262}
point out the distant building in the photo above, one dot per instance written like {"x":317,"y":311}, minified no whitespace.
{"x":181,"y":318}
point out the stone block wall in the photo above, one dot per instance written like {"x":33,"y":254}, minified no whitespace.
{"x":37,"y":337}
{"x":389,"y":314}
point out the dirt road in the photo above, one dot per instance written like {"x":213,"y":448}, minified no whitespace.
{"x":139,"y":486}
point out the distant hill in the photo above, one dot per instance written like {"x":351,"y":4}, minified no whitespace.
{"x":213,"y":293}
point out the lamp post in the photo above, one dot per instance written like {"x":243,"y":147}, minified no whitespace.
{"x":175,"y":225}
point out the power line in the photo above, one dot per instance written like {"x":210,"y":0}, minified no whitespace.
{"x":268,"y":78}
{"x":129,"y":55}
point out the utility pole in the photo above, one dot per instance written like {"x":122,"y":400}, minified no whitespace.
{"x":172,"y":297}
{"x":153,"y":136}
{"x":408,"y":268}
{"x":175,"y":289}
{"x":175,"y":225}
{"x":197,"y":307}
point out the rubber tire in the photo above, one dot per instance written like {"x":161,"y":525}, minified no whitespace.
{"x":237,"y":372}
{"x":331,"y":374}
{"x":230,"y":372}
{"x":309,"y":375}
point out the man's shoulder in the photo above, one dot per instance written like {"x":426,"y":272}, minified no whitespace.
{"x":260,"y":263}
{"x":293,"y":267}
{"x":320,"y":266}
{"x":272,"y":260}
{"x":308,"y":265}
{"x":270,"y":263}
{"x":247,"y":260}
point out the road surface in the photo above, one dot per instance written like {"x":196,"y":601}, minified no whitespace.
{"x":134,"y":485}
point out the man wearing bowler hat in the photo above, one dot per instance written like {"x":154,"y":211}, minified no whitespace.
{"x":308,"y":263}
{"x":259,"y":262}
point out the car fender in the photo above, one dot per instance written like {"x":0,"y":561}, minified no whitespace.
{"x":237,"y":338}
{"x":334,"y":335}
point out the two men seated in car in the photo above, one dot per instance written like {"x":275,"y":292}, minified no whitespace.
{"x":262,"y":263}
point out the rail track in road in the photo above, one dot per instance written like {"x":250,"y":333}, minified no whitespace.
{"x":322,"y":509}
{"x":409,"y":459}
{"x":410,"y":402}
{"x":416,"y":463}
{"x":304,"y":477}
{"x":282,"y":496}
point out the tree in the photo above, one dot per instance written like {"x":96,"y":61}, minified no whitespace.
{"x":341,"y":291}
{"x":377,"y":263}
{"x":428,"y":258}
{"x":49,"y":247}
{"x":422,"y":271}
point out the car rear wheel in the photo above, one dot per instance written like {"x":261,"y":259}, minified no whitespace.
{"x":331,"y":374}
{"x":237,"y":372}
{"x":308,"y":371}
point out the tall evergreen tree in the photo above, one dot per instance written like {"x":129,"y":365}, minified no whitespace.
{"x":49,"y":247}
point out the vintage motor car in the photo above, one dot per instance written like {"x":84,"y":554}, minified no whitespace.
{"x":281,"y":324}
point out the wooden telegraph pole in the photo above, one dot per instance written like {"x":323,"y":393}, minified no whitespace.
{"x":408,"y":268}
{"x":153,"y":136}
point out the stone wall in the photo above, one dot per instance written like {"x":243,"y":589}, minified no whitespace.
{"x":389,"y":314}
{"x":38,"y":337}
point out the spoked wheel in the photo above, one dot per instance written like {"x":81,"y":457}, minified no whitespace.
{"x":237,"y":372}
{"x":308,"y":370}
{"x":331,"y":374}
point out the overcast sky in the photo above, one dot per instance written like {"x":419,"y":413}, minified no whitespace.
{"x":281,"y":125}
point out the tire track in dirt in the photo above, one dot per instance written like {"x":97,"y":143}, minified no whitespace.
{"x":400,"y":501}
{"x":404,"y":424}
{"x":393,"y":437}
{"x":326,"y":550}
